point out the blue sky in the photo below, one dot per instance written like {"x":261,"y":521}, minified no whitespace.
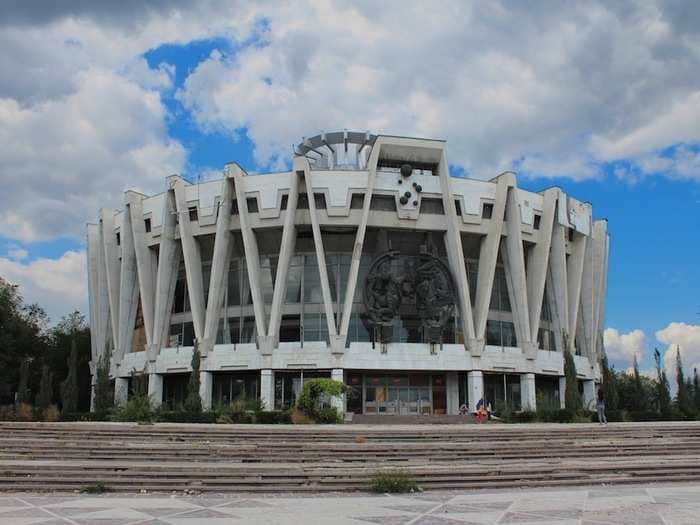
{"x":600,"y":100}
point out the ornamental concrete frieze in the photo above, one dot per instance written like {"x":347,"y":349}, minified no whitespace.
{"x":366,"y":261}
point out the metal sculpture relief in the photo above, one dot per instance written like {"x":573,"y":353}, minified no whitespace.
{"x":422,"y":280}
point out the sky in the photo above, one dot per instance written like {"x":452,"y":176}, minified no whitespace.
{"x":599,"y":98}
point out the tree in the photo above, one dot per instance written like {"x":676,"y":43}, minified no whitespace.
{"x":23,"y":386}
{"x":683,"y":396}
{"x":609,"y":384}
{"x":663,"y":396}
{"x":572,"y":395}
{"x":104,"y":399}
{"x":69,"y":387}
{"x":639,"y":399}
{"x":193,"y":402}
{"x":45,"y":395}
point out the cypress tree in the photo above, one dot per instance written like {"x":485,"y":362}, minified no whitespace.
{"x":23,"y":386}
{"x":193,"y":403}
{"x":572,"y":396}
{"x":609,"y":384}
{"x":103,"y":388}
{"x":45,"y":395}
{"x":639,"y":397}
{"x":696,"y":390}
{"x":69,"y":387}
{"x":682,"y":397}
{"x":663,"y":396}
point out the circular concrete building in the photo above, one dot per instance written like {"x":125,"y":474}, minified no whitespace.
{"x":367,"y":263}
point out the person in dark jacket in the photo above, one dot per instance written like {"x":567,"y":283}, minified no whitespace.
{"x":600,"y":408}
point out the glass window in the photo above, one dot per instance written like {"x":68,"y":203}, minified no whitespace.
{"x":234,"y":285}
{"x":290,"y":328}
{"x":487,"y":210}
{"x":312,"y":281}
{"x":248,"y":330}
{"x":268,"y":272}
{"x":293,"y":294}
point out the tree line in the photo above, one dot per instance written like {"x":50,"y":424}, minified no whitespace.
{"x":42,"y":367}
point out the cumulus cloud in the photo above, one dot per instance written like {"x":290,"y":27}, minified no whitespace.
{"x":58,"y":285}
{"x":554,"y":92}
{"x":684,"y":337}
{"x":622,"y":348}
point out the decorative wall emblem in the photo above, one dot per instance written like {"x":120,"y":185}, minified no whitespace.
{"x":420,"y":281}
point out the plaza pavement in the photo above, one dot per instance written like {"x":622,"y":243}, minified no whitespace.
{"x":677,"y":504}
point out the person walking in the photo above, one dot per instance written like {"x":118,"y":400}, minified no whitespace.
{"x":600,"y":408}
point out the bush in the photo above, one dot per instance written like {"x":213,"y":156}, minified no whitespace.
{"x":7,"y":413}
{"x":315,"y":400}
{"x":52,"y":414}
{"x":86,"y":416}
{"x":526,"y":416}
{"x":182,"y":416}
{"x":299,"y":418}
{"x":396,"y":480}
{"x":273,"y":417}
{"x":137,"y":408}
{"x":98,"y":487}
{"x":24,"y":412}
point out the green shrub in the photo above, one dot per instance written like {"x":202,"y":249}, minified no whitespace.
{"x":315,"y":400}
{"x":273,"y":417}
{"x":137,"y":408}
{"x":395,"y":480}
{"x":182,"y":416}
{"x":86,"y":416}
{"x":526,"y":416}
{"x":98,"y":487}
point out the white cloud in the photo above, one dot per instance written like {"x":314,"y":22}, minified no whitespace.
{"x":63,"y":159}
{"x":16,"y":253}
{"x":685,"y":337}
{"x":621,"y":348}
{"x":506,"y":86}
{"x":58,"y":285}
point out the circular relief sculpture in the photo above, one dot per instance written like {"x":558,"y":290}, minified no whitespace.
{"x":406,"y":170}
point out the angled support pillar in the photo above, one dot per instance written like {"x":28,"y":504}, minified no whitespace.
{"x":359,"y":242}
{"x":601,"y":243}
{"x":97,"y":294}
{"x":112,"y":268}
{"x":128,"y":289}
{"x":574,"y":273}
{"x":538,"y":262}
{"x":166,"y":280}
{"x":514,"y":263}
{"x":252,"y":256}
{"x":455,"y":253}
{"x":193,"y":258}
{"x":146,"y":262}
{"x":488,"y":256}
{"x":223,"y":245}
{"x":301,"y":164}
{"x":557,"y":283}
{"x":289,"y":235}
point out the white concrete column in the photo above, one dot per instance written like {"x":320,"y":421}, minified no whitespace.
{"x":267,"y":389}
{"x":206,"y":380}
{"x":112,"y":269}
{"x":223,"y":245}
{"x":92,"y":394}
{"x":128,"y":289}
{"x":193,"y":257}
{"x":338,"y":401}
{"x":475,"y":385}
{"x":455,"y":255}
{"x":528,"y":392}
{"x":289,"y":237}
{"x":538,"y":261}
{"x":488,"y":256}
{"x":574,"y":272}
{"x":168,"y":268}
{"x":301,"y":163}
{"x":97,"y":287}
{"x":452,"y":392}
{"x":155,"y":389}
{"x":146,"y":262}
{"x":562,"y":392}
{"x":121,"y":390}
{"x":589,"y":397}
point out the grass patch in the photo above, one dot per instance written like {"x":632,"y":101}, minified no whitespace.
{"x":394,"y":481}
{"x":98,"y":487}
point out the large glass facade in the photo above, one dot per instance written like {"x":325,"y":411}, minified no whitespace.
{"x":288,"y":384}
{"x":501,"y":390}
{"x":174,"y":390}
{"x":228,"y":387}
{"x":397,"y":394}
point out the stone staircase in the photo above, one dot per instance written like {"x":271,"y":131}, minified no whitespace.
{"x":308,"y":458}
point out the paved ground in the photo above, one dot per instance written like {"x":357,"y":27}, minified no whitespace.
{"x":653,"y":505}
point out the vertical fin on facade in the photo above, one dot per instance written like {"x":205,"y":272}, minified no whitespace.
{"x":223,"y":246}
{"x":128,"y":288}
{"x":455,"y":255}
{"x":289,"y":236}
{"x":193,"y":258}
{"x":166,"y":280}
{"x":146,"y":262}
{"x":538,"y":261}
{"x":112,"y":268}
{"x":514,"y":265}
{"x":488,"y":255}
{"x":557,"y":280}
{"x":301,"y":164}
{"x":574,"y":273}
{"x":250,"y":247}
